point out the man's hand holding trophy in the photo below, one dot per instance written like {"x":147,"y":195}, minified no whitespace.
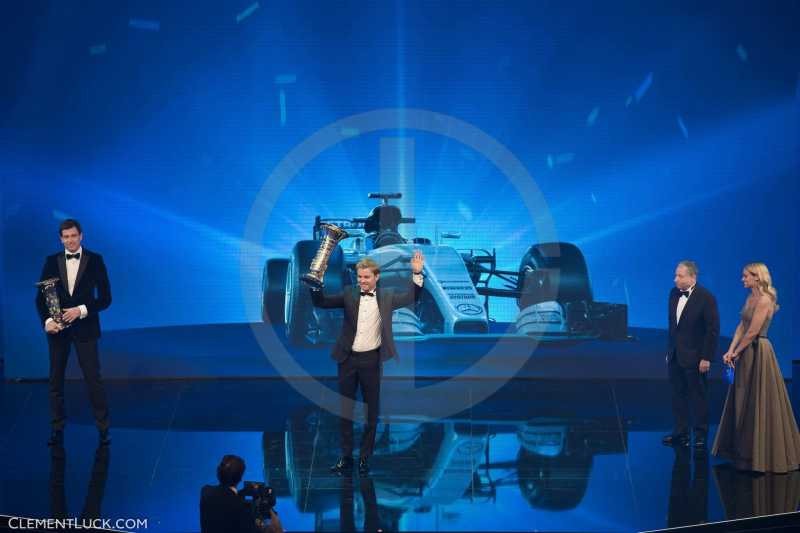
{"x":60,"y":319}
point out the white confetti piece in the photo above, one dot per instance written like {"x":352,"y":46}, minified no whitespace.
{"x":247,"y":12}
{"x":590,"y":120}
{"x":644,"y":87}
{"x":283,"y":108}
{"x":742,"y":53}
{"x":683,"y":128}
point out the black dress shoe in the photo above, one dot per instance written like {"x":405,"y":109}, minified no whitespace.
{"x":700,"y":443}
{"x":343,"y":466}
{"x":56,"y":438}
{"x":104,"y":438}
{"x":676,"y":440}
{"x":363,"y":466}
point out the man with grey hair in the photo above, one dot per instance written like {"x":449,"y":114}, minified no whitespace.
{"x":693,"y":335}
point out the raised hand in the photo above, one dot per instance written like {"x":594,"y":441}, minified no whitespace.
{"x":417,"y":262}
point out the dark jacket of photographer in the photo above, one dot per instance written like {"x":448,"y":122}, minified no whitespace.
{"x":224,"y":511}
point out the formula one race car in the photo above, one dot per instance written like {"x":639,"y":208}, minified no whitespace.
{"x":551,"y":286}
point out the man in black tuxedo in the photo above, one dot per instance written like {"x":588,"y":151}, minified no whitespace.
{"x":84,"y":291}
{"x":365,"y":342}
{"x":693,"y":337}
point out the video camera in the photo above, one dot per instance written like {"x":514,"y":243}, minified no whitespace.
{"x":262,"y":500}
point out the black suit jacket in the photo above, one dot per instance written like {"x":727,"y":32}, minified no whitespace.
{"x":349,"y":299}
{"x":92,"y":289}
{"x":697,"y":334}
{"x":222,"y":511}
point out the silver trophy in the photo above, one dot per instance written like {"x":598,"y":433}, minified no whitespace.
{"x":48,"y":288}
{"x":333,"y":235}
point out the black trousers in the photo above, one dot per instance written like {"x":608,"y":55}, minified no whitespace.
{"x":347,"y":519}
{"x":94,"y":493}
{"x":689,"y":393}
{"x":360,"y":370}
{"x":60,"y":346}
{"x":688,"y":495}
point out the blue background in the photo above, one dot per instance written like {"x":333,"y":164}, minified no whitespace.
{"x":656,"y":132}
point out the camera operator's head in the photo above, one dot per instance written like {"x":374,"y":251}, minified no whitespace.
{"x":230,"y":470}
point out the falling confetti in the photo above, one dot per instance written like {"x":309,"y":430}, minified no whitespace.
{"x":283,"y":108}
{"x":97,"y":49}
{"x":247,"y":12}
{"x":141,"y":24}
{"x":742,"y":53}
{"x":683,"y":128}
{"x":590,"y":120}
{"x":643,"y":88}
{"x":465,"y":211}
{"x":594,"y":198}
{"x":285,"y":79}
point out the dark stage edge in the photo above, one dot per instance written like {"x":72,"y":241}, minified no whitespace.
{"x":537,"y":455}
{"x":231,"y":350}
{"x":784,"y":522}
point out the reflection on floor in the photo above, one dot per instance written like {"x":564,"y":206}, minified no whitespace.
{"x":543,"y":455}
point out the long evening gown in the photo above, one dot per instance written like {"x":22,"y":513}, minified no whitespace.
{"x":758,"y":431}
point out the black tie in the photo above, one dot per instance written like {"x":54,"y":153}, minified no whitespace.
{"x":367,"y":293}
{"x":685,"y":293}
{"x":73,"y":256}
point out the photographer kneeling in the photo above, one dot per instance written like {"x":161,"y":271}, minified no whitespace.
{"x":224,"y":509}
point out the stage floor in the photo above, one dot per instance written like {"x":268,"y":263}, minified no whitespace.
{"x":232,"y":350}
{"x":543,"y":455}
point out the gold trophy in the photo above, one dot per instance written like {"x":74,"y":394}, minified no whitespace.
{"x":333,"y":235}
{"x":48,"y":288}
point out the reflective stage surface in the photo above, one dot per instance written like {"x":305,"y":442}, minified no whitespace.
{"x":539,"y":455}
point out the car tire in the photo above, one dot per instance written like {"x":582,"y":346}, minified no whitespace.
{"x":301,"y":323}
{"x":274,"y":299}
{"x":553,"y":271}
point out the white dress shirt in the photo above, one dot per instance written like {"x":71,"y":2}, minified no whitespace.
{"x":368,"y":327}
{"x":72,"y":275}
{"x":682,"y":300}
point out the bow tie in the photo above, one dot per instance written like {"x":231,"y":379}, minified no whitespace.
{"x":367,"y":293}
{"x":685,"y":293}
{"x":73,"y":256}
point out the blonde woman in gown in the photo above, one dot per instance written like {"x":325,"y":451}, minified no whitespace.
{"x":757,"y":431}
